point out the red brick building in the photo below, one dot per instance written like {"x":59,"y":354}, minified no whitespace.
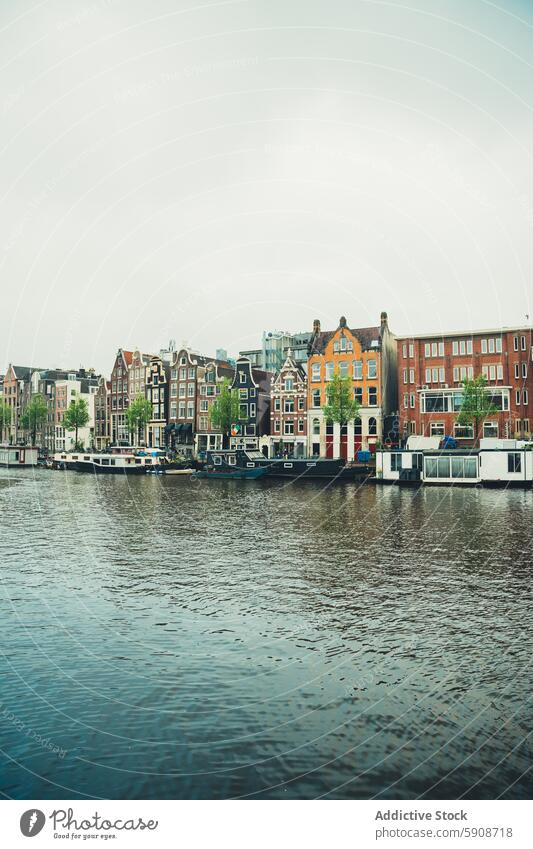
{"x":431,"y":369}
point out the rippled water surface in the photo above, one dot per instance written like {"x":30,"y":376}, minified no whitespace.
{"x":162,"y":638}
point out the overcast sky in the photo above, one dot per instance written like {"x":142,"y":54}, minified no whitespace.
{"x":204,"y":171}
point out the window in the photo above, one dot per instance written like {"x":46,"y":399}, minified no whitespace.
{"x":301,"y":403}
{"x":514,"y":462}
{"x":411,"y":375}
{"x":181,"y":390}
{"x":316,"y":397}
{"x":524,"y":369}
{"x":372,"y":369}
{"x":515,"y":343}
{"x":252,"y":411}
{"x":190,"y":410}
{"x":372,"y":427}
{"x":243,"y":411}
{"x":276,"y":425}
{"x":289,"y":405}
{"x":435,"y":375}
{"x":523,"y":342}
{"x":190,"y":390}
{"x":395,"y":462}
{"x":315,"y":371}
{"x":242,"y":377}
{"x":173,"y":374}
{"x":411,"y":349}
{"x":343,"y":343}
{"x":288,"y":428}
{"x":329,"y":370}
{"x":357,"y":369}
{"x":181,"y":408}
{"x":372,"y":396}
{"x":343,"y":368}
{"x":277,"y":404}
{"x":243,"y":394}
{"x":183,"y":374}
{"x":427,"y":350}
{"x":518,"y":396}
{"x":316,"y":427}
{"x":412,"y":400}
{"x":455,"y":348}
{"x":406,"y":401}
{"x":524,"y":396}
{"x":358,"y":394}
{"x":463,"y":431}
{"x":490,"y":429}
{"x":301,"y":425}
{"x":204,"y":406}
{"x":428,"y":375}
{"x":173,"y":411}
{"x":442,"y":375}
{"x":436,"y":429}
{"x":191,"y":373}
{"x":404,"y":350}
{"x":483,"y":346}
{"x":289,"y":384}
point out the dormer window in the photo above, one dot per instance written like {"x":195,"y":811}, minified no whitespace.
{"x":242,"y":377}
{"x":343,"y":343}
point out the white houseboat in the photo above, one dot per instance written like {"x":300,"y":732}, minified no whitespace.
{"x":18,"y":456}
{"x":111,"y":464}
{"x":495,"y":463}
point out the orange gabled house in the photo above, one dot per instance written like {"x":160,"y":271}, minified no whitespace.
{"x":368,"y":356}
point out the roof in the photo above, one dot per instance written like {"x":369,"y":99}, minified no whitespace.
{"x":366,"y":336}
{"x":465,"y":333}
{"x":128,"y":357}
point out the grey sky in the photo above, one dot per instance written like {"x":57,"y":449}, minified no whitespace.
{"x":204,"y":171}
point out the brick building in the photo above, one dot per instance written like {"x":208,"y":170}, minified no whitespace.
{"x":210,"y":380}
{"x":118,"y":428}
{"x":288,"y":410}
{"x":431,"y":369}
{"x":366,"y":355}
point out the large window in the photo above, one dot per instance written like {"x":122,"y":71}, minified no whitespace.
{"x":316,"y":427}
{"x":463,"y":431}
{"x":289,"y":428}
{"x":436,"y":429}
{"x":357,"y":369}
{"x":289,"y":405}
{"x":451,"y":467}
{"x":372,"y":368}
{"x":315,"y":371}
{"x":372,"y":396}
{"x":330,"y":368}
{"x":316,"y":397}
{"x":343,"y":368}
{"x":372,"y":427}
{"x":490,"y":429}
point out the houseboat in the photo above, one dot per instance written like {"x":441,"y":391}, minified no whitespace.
{"x":495,"y":463}
{"x":18,"y":456}
{"x":111,"y":464}
{"x":312,"y":467}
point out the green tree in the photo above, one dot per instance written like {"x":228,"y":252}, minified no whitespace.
{"x":226,"y":410}
{"x":34,"y":416}
{"x":341,"y":406}
{"x":76,"y":416}
{"x":138,"y":414}
{"x":476,"y":405}
{"x":5,"y":417}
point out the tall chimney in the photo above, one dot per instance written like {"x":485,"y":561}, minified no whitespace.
{"x":316,"y":325}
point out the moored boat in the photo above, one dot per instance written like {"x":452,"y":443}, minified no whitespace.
{"x":111,"y":464}
{"x":289,"y":467}
{"x":236,"y":473}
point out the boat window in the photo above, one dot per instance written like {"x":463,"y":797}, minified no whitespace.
{"x":138,"y":462}
{"x":232,"y":460}
{"x":217,"y":460}
{"x":74,"y":456}
{"x":86,"y":458}
{"x":250,"y":465}
{"x":104,"y":462}
{"x":113,"y":462}
{"x":147,"y":462}
{"x":287,"y":465}
{"x":310,"y":464}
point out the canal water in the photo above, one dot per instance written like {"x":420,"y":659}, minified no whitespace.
{"x":170,"y":639}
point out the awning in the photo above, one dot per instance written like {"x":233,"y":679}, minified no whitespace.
{"x":178,"y":428}
{"x":169,"y":427}
{"x":187,"y":428}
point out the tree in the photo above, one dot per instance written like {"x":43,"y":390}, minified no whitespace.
{"x":340,"y":406}
{"x":5,"y":417}
{"x":34,"y":416}
{"x":477,"y":404}
{"x":76,"y":416}
{"x":138,"y":414}
{"x":226,"y":410}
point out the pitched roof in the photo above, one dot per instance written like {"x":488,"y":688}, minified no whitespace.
{"x":366,"y":336}
{"x":128,"y":356}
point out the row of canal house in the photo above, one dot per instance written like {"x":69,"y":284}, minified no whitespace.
{"x":431,"y":369}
